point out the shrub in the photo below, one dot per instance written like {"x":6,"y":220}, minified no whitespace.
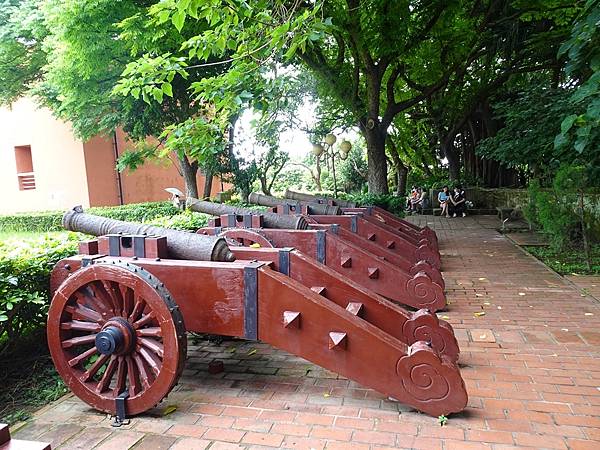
{"x":388,"y":202}
{"x":25,"y":267}
{"x":41,"y":222}
{"x":187,"y":221}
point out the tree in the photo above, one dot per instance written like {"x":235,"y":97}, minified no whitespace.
{"x":71,"y":55}
{"x":582,"y":129}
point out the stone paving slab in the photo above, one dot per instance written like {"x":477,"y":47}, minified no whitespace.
{"x":533,"y":379}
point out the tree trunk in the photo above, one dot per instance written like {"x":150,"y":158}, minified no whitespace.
{"x":189,"y":171}
{"x":208,"y":179}
{"x":452,"y":156}
{"x":264,"y":185}
{"x":377,"y":162}
{"x":401,"y":169}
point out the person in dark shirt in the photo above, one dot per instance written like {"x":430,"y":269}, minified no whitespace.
{"x":458,"y":201}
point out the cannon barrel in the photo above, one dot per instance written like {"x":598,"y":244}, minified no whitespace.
{"x":270,"y":220}
{"x":181,"y":244}
{"x":293,"y":195}
{"x":319,"y":209}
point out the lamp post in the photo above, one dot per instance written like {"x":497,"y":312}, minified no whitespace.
{"x":328,"y":151}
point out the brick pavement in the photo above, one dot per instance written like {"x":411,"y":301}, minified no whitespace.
{"x":531,"y":365}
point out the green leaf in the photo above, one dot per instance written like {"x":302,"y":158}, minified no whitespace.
{"x":3,"y":318}
{"x":167,"y":89}
{"x":178,"y":19}
{"x":567,"y":123}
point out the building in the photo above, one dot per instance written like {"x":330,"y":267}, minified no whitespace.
{"x":43,"y":166}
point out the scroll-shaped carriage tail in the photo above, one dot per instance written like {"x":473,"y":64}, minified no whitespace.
{"x":121,"y":308}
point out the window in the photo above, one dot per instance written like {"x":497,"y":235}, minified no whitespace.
{"x":24,"y":167}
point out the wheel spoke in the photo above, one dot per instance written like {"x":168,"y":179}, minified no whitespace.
{"x":81,"y":340}
{"x":83,"y":356}
{"x":127,"y":296}
{"x":137,"y":309}
{"x":114,"y":296}
{"x":82,"y":312}
{"x":151,"y":332}
{"x":151,"y":360}
{"x":81,"y":326}
{"x":95,"y":300}
{"x":144,"y":320}
{"x":93,"y":370}
{"x":107,"y":375}
{"x":134,"y":383}
{"x":121,"y":376}
{"x":152,"y":345}
{"x":144,"y":376}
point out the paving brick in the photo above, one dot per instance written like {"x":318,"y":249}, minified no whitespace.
{"x":500,"y":437}
{"x":267,"y":439}
{"x":374,"y":437}
{"x":190,"y":443}
{"x":155,"y":442}
{"x":539,"y":441}
{"x":121,"y":440}
{"x":291,"y":429}
{"x":351,"y":422}
{"x":336,"y":434}
{"x":220,"y":434}
{"x":187,"y":430}
{"x":88,"y":439}
{"x":303,"y":443}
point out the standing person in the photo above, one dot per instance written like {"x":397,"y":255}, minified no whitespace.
{"x":444,"y":199}
{"x":458,"y":201}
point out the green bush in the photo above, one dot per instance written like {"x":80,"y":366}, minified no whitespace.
{"x":41,"y":222}
{"x":186,"y":220}
{"x":25,"y":267}
{"x":389,"y":202}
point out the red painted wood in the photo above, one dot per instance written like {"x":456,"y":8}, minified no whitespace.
{"x":414,"y":375}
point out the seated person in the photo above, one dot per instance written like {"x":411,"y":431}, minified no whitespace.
{"x":418,"y":203}
{"x":411,"y":197}
{"x":444,"y":199}
{"x":458,"y":202}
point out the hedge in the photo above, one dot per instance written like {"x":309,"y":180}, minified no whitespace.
{"x":25,"y":267}
{"x":41,"y":222}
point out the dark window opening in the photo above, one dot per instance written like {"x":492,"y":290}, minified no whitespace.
{"x":24,"y":167}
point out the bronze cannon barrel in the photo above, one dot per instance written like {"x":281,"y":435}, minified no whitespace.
{"x":270,"y":220}
{"x":181,"y":244}
{"x":312,"y":208}
{"x":293,"y":195}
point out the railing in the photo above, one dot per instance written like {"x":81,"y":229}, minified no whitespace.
{"x":26,"y":181}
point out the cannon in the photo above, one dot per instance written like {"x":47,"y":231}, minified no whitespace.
{"x":271,"y":220}
{"x":378,"y":213}
{"x":316,"y":199}
{"x":120,"y":311}
{"x":305,"y":207}
{"x":403,"y":277}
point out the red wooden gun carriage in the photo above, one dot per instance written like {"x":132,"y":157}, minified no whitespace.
{"x":121,"y":308}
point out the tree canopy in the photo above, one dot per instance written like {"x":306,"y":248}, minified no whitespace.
{"x":492,"y":91}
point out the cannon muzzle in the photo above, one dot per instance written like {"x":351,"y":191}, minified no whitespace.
{"x":181,"y":244}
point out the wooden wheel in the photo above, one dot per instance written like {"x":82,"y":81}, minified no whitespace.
{"x":245,"y":237}
{"x":115,"y":328}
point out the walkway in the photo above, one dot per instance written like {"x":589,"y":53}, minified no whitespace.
{"x":530,"y":359}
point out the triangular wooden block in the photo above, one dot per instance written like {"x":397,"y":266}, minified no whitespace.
{"x":337,"y":339}
{"x":373,"y":272}
{"x":355,"y":308}
{"x":318,"y":289}
{"x":346,"y":262}
{"x":371,"y":236}
{"x":390,"y":244}
{"x":291,"y":319}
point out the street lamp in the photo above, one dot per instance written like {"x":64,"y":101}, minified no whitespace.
{"x":327,"y":151}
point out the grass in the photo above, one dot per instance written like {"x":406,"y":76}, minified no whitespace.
{"x":5,"y":235}
{"x":28,"y":379}
{"x":567,"y":262}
